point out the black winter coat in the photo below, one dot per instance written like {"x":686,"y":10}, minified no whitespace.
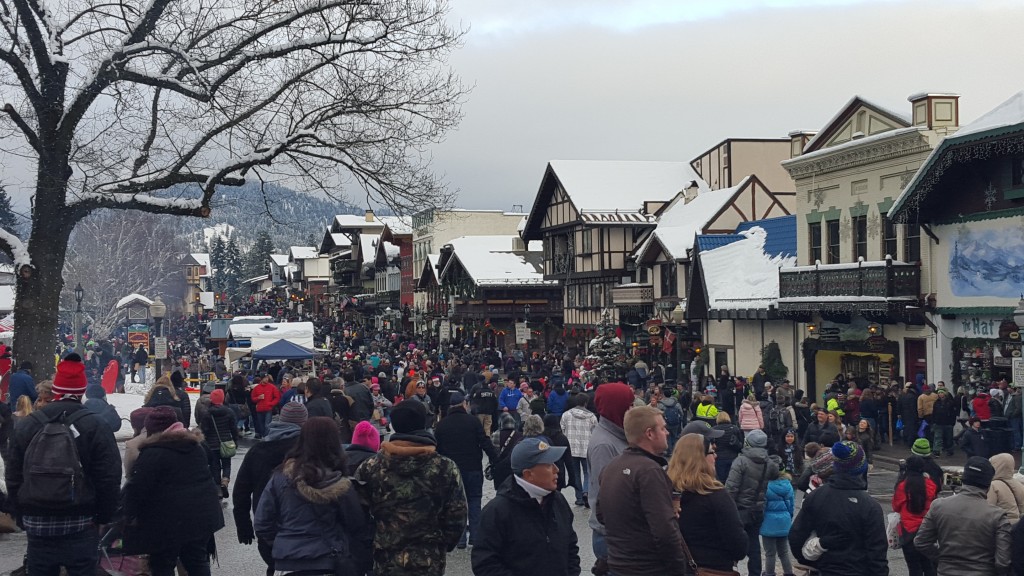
{"x":850,"y":525}
{"x":252,"y":477}
{"x":712,"y":529}
{"x":97,"y":451}
{"x":356,"y":455}
{"x":182,"y":406}
{"x":460,"y":436}
{"x":319,"y":407}
{"x":218,"y":426}
{"x":944,"y":412}
{"x":518,"y":536}
{"x":170,"y":497}
{"x":907,"y":405}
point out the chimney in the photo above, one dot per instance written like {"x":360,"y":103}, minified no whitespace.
{"x":369,"y":215}
{"x":936,"y":110}
{"x":690,"y":192}
{"x":798,"y":140}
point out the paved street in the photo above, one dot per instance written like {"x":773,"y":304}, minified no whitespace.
{"x":237,"y":559}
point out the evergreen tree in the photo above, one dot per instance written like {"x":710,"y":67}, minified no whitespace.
{"x":257,"y":259}
{"x":217,"y":262}
{"x":771,"y":359}
{"x":607,"y":352}
{"x":232,"y":271}
{"x":8,"y":220}
{"x":312,"y":241}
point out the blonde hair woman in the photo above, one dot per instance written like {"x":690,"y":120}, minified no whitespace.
{"x":708,"y":518}
{"x":163,"y":393}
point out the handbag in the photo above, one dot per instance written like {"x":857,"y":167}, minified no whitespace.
{"x":699,"y":571}
{"x":227,"y":448}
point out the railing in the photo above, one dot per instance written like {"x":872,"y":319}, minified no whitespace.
{"x":632,"y":294}
{"x":886,"y":279}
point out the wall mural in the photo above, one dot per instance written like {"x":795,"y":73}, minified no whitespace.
{"x":987,"y":262}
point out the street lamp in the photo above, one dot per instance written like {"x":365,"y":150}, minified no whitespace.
{"x":158,"y":310}
{"x":1018,"y":319}
{"x":79,"y":296}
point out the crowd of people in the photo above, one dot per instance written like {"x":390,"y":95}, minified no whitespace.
{"x":375,"y":464}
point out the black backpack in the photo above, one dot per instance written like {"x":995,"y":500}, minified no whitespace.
{"x":53,"y":475}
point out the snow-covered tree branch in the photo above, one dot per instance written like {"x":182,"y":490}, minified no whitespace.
{"x":117,"y":103}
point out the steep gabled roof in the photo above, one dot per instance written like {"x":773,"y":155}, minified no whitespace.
{"x":491,"y":260}
{"x":681,"y":221}
{"x":846,"y":113}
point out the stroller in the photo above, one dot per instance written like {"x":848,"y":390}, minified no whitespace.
{"x":113,"y":559}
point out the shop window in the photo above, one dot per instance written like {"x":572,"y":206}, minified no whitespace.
{"x":912,"y":244}
{"x":814,"y":236}
{"x":889,"y":246}
{"x":833,"y":242}
{"x":669,"y":285}
{"x":860,"y":237}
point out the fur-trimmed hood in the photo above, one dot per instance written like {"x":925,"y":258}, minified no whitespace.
{"x":181,"y":440}
{"x":331,"y":489}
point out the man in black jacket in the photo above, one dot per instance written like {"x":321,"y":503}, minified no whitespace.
{"x":483,"y":401}
{"x":256,"y":470}
{"x":67,"y":536}
{"x":461,"y":438}
{"x":848,"y":521}
{"x":527,"y":528}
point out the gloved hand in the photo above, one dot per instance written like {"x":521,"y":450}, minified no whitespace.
{"x":246,"y":534}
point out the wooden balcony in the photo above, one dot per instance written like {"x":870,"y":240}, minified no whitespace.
{"x":884,"y":286}
{"x":633,"y":295}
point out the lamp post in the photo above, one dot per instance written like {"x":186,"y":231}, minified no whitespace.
{"x":158,"y":310}
{"x":678,"y":317}
{"x":1018,"y":319}
{"x":79,"y":296}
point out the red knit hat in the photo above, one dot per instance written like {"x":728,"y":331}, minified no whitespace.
{"x":69,"y":379}
{"x":217,"y":397}
{"x":612,"y":400}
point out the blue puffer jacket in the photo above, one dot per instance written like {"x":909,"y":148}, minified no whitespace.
{"x":557,"y":402}
{"x":778,"y":510}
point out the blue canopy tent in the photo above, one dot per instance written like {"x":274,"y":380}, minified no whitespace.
{"x":284,"y":350}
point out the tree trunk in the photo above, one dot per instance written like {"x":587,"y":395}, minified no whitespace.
{"x":37,"y":306}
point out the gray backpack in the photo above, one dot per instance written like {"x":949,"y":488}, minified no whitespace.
{"x":53,"y":476}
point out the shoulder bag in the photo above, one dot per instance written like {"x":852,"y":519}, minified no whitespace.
{"x":489,"y":470}
{"x":698,"y":571}
{"x":228,"y":448}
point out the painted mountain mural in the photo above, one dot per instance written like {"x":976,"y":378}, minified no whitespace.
{"x":988,"y":263}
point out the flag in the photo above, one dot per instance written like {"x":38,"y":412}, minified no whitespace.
{"x":670,"y":340}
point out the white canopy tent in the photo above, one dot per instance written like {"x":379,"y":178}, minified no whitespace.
{"x":260,"y":335}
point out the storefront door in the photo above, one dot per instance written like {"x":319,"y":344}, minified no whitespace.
{"x":916,"y":358}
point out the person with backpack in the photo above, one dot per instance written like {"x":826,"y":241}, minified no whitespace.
{"x":60,"y":515}
{"x":727,"y":448}
{"x":675,"y":418}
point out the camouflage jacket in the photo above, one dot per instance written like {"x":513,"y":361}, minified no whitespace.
{"x":418,"y":503}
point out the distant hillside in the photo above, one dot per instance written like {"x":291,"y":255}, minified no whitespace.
{"x":290,"y":217}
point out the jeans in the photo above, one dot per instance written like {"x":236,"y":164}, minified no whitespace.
{"x":220,"y":468}
{"x":943,"y":438}
{"x":260,"y":422}
{"x":473,"y":482}
{"x":776,"y":546}
{"x":142,"y":373}
{"x":78,"y":553}
{"x":673,"y":437}
{"x":722,"y":467}
{"x":753,"y":549}
{"x":580,"y":481}
{"x":917,"y":564}
{"x":193,"y":555}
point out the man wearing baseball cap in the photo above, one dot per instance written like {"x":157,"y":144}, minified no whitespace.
{"x":528,"y":514}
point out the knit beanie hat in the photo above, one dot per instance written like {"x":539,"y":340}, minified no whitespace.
{"x":921,"y":447}
{"x":408,"y":416}
{"x":70,"y":378}
{"x":978,"y":472}
{"x":757,"y":439}
{"x":160,"y":419}
{"x":294,"y":413}
{"x":612,"y":400}
{"x":217,"y":397}
{"x":822,"y":463}
{"x":177,"y":380}
{"x":849,"y":458}
{"x":95,"y":391}
{"x":366,"y":435}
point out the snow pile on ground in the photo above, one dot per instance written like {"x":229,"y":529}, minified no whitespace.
{"x":125,"y":404}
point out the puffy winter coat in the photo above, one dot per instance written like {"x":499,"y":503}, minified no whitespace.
{"x":163,"y":397}
{"x":270,"y":395}
{"x":966,"y":535}
{"x":170,"y":497}
{"x":218,"y":426}
{"x":1005,"y":491}
{"x":513,"y":522}
{"x":557,"y":402}
{"x":849,"y":524}
{"x":255,"y":472}
{"x":778,"y":508}
{"x":981,"y":406}
{"x":745,"y":476}
{"x":911,"y":521}
{"x":750,"y":417}
{"x":307,"y":522}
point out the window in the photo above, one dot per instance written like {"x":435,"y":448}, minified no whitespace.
{"x":643,"y":275}
{"x":833,"y":242}
{"x":814,"y":235}
{"x":595,"y":299}
{"x":889,"y":237}
{"x":669,"y":286}
{"x":860,"y":237}
{"x":587,"y":242}
{"x":584,"y":300}
{"x":912,"y":244}
{"x":570,"y":297}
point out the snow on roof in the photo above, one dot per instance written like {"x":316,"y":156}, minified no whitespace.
{"x":390,"y":250}
{"x":202,"y":258}
{"x":303,"y":252}
{"x":397,"y":224}
{"x":521,"y":226}
{"x":740,"y":275}
{"x":1009,"y":113}
{"x":133,"y":298}
{"x":255,"y":279}
{"x":680,"y":223}
{"x":600,"y":185}
{"x":491,"y":260}
{"x":356,"y":221}
{"x":853,"y":144}
{"x":340,"y":240}
{"x":279,"y":259}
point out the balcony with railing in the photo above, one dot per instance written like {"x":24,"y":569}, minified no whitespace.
{"x":869,"y":286}
{"x":633,"y":294}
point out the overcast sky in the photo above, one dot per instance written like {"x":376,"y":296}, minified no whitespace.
{"x":666,"y":80}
